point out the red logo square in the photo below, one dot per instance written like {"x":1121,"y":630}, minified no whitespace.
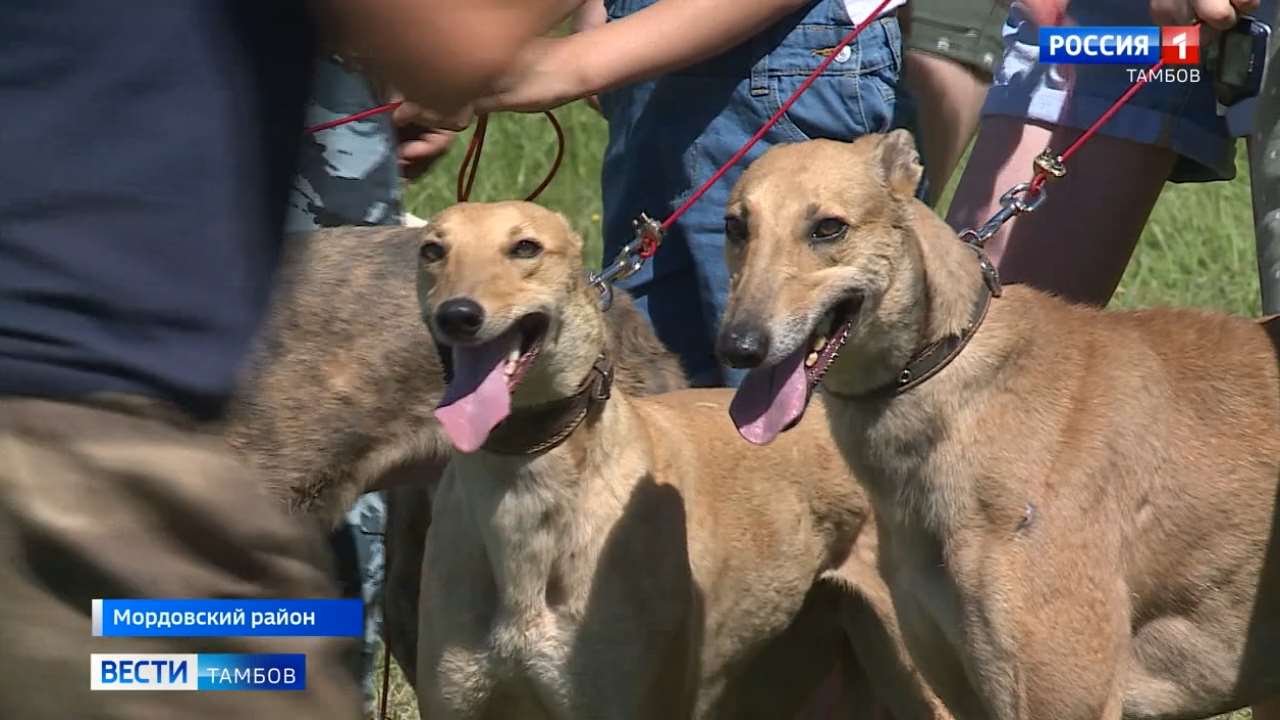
{"x":1180,"y":45}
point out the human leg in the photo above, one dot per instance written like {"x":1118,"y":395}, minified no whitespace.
{"x":1079,"y":242}
{"x":949,"y":97}
{"x":950,"y":48}
{"x":349,"y":175}
{"x":124,"y":501}
{"x":1264,"y":163}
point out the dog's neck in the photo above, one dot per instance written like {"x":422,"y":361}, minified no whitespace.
{"x":890,"y":441}
{"x":949,"y":276}
{"x":929,"y":302}
{"x":544,"y":519}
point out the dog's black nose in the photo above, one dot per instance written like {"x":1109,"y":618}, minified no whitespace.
{"x":743,"y":346}
{"x":460,"y":318}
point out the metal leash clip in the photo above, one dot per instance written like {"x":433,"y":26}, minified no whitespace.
{"x":648,"y":236}
{"x":1049,"y":164}
{"x":1020,"y":199}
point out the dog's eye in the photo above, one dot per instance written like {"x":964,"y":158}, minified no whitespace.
{"x":431,"y":251}
{"x":526,"y":249}
{"x":828,"y":230}
{"x":735,"y":229}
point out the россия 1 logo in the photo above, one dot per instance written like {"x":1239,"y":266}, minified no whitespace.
{"x":1180,"y":45}
{"x":1137,"y":46}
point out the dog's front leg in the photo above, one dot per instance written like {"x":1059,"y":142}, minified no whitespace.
{"x":1047,"y":631}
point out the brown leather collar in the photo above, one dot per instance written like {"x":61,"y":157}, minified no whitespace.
{"x":932,"y":358}
{"x":537,"y":429}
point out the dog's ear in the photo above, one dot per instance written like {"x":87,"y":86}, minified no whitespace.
{"x":573,"y":238}
{"x":899,"y":163}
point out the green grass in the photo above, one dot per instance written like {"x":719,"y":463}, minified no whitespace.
{"x":1197,"y":249}
{"x":518,"y":151}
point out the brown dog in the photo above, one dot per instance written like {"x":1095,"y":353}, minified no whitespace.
{"x":595,"y":554}
{"x":1076,"y":507}
{"x":342,"y":384}
{"x":341,"y":389}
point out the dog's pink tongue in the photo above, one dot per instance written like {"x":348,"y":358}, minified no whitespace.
{"x":477,"y":398}
{"x":770,"y":399}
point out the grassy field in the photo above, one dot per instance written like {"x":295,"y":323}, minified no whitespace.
{"x":1197,"y":250}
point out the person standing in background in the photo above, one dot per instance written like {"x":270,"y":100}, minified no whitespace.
{"x":139,"y":247}
{"x":351,"y":175}
{"x":1079,"y":243}
{"x":951,"y":48}
{"x":1264,"y":163}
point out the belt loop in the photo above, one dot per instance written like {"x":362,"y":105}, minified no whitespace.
{"x":888,"y":24}
{"x":760,"y":76}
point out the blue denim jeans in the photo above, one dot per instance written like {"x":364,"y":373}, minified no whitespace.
{"x":668,"y":135}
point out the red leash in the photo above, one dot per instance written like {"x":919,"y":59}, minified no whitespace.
{"x":773,"y":120}
{"x":1048,"y":166}
{"x":471,"y":159}
{"x":385,"y":108}
{"x":1026,"y":197}
{"x":649,"y":232}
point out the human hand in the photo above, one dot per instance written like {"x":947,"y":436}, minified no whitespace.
{"x":545,"y":77}
{"x":421,"y":142}
{"x":414,"y":114}
{"x":1218,"y":14}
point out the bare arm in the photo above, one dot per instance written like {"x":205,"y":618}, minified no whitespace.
{"x":665,"y":36}
{"x":443,"y":53}
{"x":669,"y":35}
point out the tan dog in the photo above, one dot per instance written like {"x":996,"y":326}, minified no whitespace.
{"x":339,"y":396}
{"x":341,"y":387}
{"x":1076,"y":507}
{"x":597,"y":555}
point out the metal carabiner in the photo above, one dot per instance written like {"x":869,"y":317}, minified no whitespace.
{"x":648,"y":234}
{"x":1021,"y":198}
{"x":1013,"y":203}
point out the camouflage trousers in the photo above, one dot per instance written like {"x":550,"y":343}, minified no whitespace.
{"x":348,"y":176}
{"x":125,"y":497}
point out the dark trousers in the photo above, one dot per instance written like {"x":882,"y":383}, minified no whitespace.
{"x":125,"y":501}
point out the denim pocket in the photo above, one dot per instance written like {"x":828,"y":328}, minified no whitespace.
{"x":616,"y":9}
{"x":854,"y":96}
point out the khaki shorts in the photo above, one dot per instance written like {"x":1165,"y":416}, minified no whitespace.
{"x":125,"y":501}
{"x":965,"y":31}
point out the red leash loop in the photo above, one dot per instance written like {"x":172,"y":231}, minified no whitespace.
{"x":471,"y":159}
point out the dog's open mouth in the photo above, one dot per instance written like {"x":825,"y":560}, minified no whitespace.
{"x":531,"y":329}
{"x":484,"y":376}
{"x":828,"y":338}
{"x":772,"y":399}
